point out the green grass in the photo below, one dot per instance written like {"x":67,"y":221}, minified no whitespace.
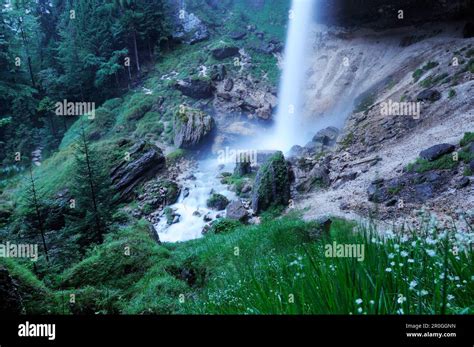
{"x":420,"y":72}
{"x":446,"y":162}
{"x":295,"y":276}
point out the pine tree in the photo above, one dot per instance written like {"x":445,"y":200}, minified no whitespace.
{"x":34,"y":211}
{"x":91,"y":189}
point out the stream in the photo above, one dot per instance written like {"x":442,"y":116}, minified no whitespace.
{"x":200,"y":187}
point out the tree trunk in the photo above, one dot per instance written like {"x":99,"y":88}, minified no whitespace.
{"x":91,"y":184}
{"x":135,"y":48}
{"x":38,"y":214}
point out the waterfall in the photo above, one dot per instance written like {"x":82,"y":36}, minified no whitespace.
{"x":289,"y":119}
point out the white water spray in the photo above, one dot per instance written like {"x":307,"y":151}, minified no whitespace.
{"x":289,"y":118}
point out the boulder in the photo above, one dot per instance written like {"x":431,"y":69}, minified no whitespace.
{"x":429,"y":95}
{"x":10,"y":299}
{"x":218,"y":72}
{"x":327,"y":136}
{"x":195,"y":88}
{"x":378,"y":192}
{"x":146,"y":160}
{"x":437,"y":151}
{"x":189,"y":28}
{"x":191,"y":127}
{"x":236,"y":210}
{"x":237,"y":35}
{"x":224,"y":52}
{"x":424,"y":191}
{"x":318,"y":176}
{"x":217,"y":202}
{"x":272,"y":184}
{"x":314,"y":147}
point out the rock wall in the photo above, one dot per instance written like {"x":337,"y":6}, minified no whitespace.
{"x":383,"y":13}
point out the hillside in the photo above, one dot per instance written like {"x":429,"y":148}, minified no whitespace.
{"x":172,"y":195}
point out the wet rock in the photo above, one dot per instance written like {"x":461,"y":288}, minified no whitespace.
{"x":197,"y":214}
{"x":191,"y":127}
{"x":217,"y":202}
{"x":327,"y":136}
{"x":10,"y":299}
{"x":236,"y":210}
{"x":471,"y":165}
{"x":314,"y":147}
{"x":207,"y":217}
{"x":272,"y":184}
{"x":437,"y":151}
{"x":146,"y":160}
{"x":429,"y":95}
{"x":224,"y":52}
{"x":195,"y":88}
{"x":186,"y":192}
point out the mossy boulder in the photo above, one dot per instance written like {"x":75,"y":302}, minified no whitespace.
{"x":217,"y":202}
{"x":191,"y":127}
{"x":272,"y":184}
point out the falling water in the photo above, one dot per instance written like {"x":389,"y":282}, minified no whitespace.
{"x":289,"y":116}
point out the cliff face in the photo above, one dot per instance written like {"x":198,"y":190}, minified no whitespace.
{"x":383,"y":14}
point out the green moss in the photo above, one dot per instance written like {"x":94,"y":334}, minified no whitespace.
{"x":452,"y":93}
{"x":217,"y":201}
{"x":272,"y":186}
{"x":175,"y":156}
{"x":467,"y":138}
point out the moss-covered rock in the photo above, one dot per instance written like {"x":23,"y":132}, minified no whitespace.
{"x":272,"y":184}
{"x":191,"y":127}
{"x":217,"y":202}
